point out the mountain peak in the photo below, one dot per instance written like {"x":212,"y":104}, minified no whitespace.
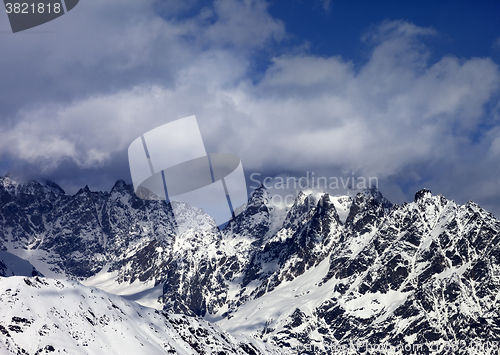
{"x":375,"y":193}
{"x":259,"y":197}
{"x":55,"y":188}
{"x":422,"y":193}
{"x":7,"y":180}
{"x":83,"y":190}
{"x":121,"y":185}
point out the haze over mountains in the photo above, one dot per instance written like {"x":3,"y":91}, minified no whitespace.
{"x":322,"y":274}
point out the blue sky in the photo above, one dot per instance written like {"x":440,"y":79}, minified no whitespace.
{"x":466,"y":28}
{"x":404,"y":91}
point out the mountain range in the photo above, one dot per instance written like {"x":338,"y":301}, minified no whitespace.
{"x":326,"y":274}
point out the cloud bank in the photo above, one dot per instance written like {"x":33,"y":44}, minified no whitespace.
{"x":71,"y":111}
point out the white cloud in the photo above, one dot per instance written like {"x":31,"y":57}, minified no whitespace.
{"x":306,"y":111}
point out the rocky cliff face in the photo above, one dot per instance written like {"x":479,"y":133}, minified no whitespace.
{"x":323,"y":273}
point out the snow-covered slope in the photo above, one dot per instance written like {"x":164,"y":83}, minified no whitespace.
{"x":40,"y":315}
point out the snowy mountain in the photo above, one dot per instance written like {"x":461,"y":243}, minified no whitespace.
{"x":42,"y":316}
{"x":323,"y":274}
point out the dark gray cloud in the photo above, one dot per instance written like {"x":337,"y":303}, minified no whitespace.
{"x":75,"y":98}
